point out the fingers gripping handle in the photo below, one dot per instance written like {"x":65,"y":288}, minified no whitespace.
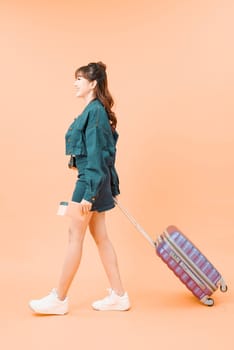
{"x":135,"y":223}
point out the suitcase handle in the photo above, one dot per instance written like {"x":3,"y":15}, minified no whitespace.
{"x":135,"y":223}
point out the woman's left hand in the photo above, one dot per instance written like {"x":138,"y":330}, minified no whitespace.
{"x":85,"y":206}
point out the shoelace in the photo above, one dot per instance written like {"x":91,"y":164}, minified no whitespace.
{"x":109,"y":297}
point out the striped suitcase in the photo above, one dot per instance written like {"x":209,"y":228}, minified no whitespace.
{"x":189,"y":264}
{"x":186,"y":261}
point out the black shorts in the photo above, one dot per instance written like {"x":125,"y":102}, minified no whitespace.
{"x":104,"y":200}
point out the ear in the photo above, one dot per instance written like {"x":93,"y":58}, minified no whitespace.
{"x":93,"y":84}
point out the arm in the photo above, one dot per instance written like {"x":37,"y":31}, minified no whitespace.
{"x":95,"y":171}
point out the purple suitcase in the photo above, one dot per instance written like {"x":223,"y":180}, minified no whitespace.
{"x":189,"y":265}
{"x":186,"y":261}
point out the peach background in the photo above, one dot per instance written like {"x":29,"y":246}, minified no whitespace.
{"x":170,"y":66}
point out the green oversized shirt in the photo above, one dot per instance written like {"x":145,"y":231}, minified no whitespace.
{"x":90,"y":136}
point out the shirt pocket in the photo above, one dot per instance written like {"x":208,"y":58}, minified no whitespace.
{"x":78,"y":143}
{"x":76,"y":138}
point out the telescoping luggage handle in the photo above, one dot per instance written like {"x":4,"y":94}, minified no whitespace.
{"x":135,"y":223}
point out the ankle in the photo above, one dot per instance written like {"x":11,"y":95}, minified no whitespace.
{"x":61,"y":296}
{"x":119,"y":292}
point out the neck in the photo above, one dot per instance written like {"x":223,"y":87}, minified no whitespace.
{"x":89,"y":98}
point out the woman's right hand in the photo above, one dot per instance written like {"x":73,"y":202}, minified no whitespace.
{"x":85,"y":206}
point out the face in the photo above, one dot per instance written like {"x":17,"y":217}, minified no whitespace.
{"x":84,"y":87}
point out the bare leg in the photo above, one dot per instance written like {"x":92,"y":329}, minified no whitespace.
{"x":77,"y":231}
{"x":98,"y":230}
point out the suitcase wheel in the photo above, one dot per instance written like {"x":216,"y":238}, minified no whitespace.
{"x":209,"y":302}
{"x":223,"y":288}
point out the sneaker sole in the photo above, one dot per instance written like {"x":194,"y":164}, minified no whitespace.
{"x":112,"y":309}
{"x":46,"y":313}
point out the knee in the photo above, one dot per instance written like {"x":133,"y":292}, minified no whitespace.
{"x":75,"y":235}
{"x":101,"y":240}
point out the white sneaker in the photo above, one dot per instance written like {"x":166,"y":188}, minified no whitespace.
{"x":112,"y":302}
{"x":50,"y":305}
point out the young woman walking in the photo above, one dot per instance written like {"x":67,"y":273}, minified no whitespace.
{"x":91,"y":142}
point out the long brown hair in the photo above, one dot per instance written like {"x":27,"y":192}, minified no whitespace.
{"x":97,"y":71}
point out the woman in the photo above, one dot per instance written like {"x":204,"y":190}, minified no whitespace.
{"x":91,"y":142}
